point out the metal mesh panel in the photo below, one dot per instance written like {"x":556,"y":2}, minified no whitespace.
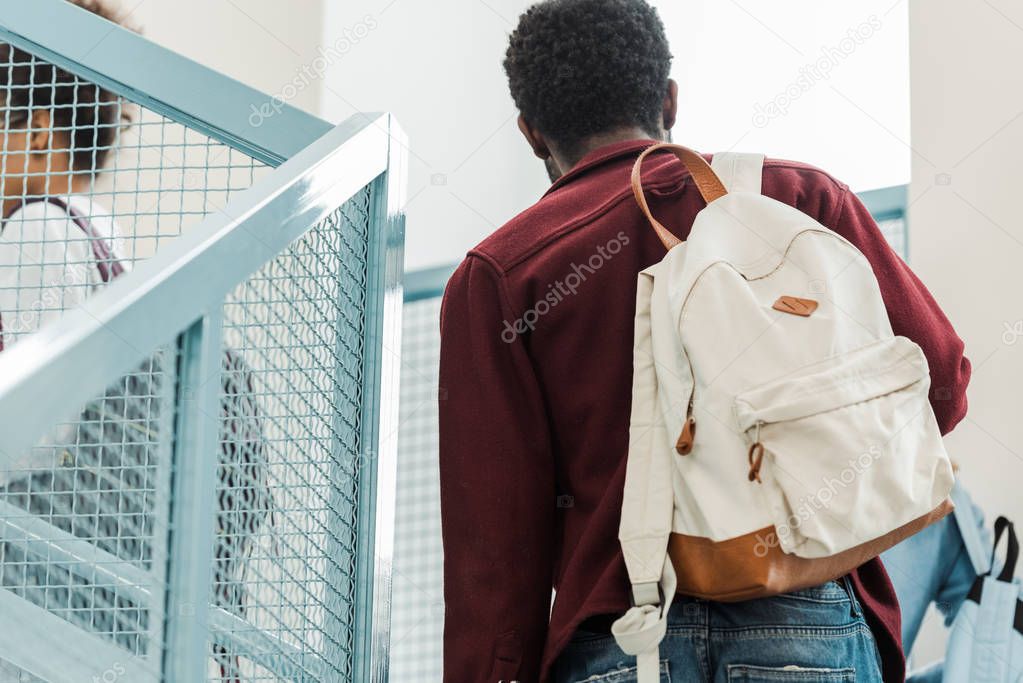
{"x":288,"y":571}
{"x":82,"y":528}
{"x":91,"y":184}
{"x":140,"y":178}
{"x":417,"y":625}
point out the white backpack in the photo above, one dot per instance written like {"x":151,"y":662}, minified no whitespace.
{"x":780,"y":434}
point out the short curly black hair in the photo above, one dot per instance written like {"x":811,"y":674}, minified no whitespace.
{"x":91,"y":116}
{"x":577,"y":68}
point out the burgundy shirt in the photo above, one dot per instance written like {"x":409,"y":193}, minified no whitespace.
{"x":536,"y":385}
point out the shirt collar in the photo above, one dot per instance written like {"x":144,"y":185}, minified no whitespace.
{"x":599,"y":157}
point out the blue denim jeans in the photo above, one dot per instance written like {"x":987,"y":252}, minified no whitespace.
{"x":817,"y":635}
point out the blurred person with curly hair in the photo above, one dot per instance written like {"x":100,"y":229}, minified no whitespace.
{"x":57,"y":131}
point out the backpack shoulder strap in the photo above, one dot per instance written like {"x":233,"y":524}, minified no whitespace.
{"x":739,"y":172}
{"x":648,"y":500}
{"x":708,"y":184}
{"x":108,"y":265}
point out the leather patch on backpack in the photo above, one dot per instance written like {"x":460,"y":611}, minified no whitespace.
{"x":795,"y":305}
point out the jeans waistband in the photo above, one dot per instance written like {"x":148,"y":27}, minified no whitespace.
{"x":601,"y":623}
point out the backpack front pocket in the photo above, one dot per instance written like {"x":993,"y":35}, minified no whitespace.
{"x":847,"y":449}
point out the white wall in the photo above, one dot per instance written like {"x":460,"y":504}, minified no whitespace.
{"x":966,"y":242}
{"x":263,"y":43}
{"x":797,"y":80}
{"x":437,"y":66}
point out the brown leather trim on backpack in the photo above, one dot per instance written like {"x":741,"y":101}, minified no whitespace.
{"x":795,"y":305}
{"x":707,"y":182}
{"x":754,"y":565}
{"x":684,"y":444}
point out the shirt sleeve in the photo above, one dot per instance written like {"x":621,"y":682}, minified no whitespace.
{"x":912,"y":311}
{"x":45,"y":269}
{"x":497,"y":482}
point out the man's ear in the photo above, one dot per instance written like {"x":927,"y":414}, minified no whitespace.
{"x":535,"y":139}
{"x":40,"y":135}
{"x":670,"y":108}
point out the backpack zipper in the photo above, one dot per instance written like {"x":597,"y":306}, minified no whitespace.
{"x":755,"y":455}
{"x":684,"y":444}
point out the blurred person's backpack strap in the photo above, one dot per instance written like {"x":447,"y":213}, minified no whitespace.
{"x":817,"y":446}
{"x":107,"y":263}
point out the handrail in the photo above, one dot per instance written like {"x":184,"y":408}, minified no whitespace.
{"x":124,"y":323}
{"x":122,"y":62}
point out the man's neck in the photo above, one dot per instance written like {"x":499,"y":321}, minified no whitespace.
{"x":595,"y":142}
{"x":57,"y":184}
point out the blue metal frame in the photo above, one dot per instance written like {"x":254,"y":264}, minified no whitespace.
{"x":167,"y":83}
{"x":54,"y":650}
{"x":887,"y":202}
{"x":427,"y":283}
{"x":190,"y":551}
{"x":890,"y":203}
{"x":381,"y":389}
{"x":181,"y":290}
{"x":91,"y":563}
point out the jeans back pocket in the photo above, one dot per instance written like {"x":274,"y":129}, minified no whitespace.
{"x":748,"y":673}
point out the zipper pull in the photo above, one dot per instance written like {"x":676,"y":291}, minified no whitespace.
{"x":684,"y":445}
{"x":756,"y":456}
{"x":756,"y":459}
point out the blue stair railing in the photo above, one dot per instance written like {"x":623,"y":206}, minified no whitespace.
{"x":197,"y":463}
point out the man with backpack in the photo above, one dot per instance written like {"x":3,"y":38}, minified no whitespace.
{"x":537,"y":330}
